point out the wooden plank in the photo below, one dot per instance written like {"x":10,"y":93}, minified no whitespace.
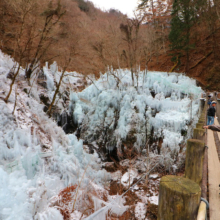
{"x":202,"y":211}
{"x":214,"y":177}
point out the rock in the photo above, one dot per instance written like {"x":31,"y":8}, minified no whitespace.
{"x":46,"y":101}
{"x":86,"y":149}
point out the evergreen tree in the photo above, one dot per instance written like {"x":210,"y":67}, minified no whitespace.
{"x":181,"y":23}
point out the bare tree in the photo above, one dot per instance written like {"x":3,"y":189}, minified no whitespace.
{"x":31,"y":40}
{"x":107,"y":44}
{"x":21,"y":45}
{"x":133,"y":50}
{"x":157,"y":15}
{"x":63,"y":74}
{"x":45,"y":39}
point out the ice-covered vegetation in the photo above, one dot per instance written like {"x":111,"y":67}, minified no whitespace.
{"x":113,"y":113}
{"x":38,"y":160}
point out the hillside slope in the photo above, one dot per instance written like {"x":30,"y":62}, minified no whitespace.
{"x":95,"y":40}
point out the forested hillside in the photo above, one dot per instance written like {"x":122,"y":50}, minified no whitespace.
{"x":179,"y":35}
{"x":35,"y":31}
{"x":39,"y":31}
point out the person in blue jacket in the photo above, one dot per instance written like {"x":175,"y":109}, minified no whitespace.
{"x":211,"y":114}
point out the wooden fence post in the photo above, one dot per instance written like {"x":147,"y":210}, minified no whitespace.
{"x":194,"y":160}
{"x":199,"y":125}
{"x":199,"y":134}
{"x":179,"y":198}
{"x":201,"y":121}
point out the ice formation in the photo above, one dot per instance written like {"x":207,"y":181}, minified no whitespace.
{"x":110,"y":107}
{"x":31,"y":176}
{"x":115,"y":206}
{"x":114,"y":109}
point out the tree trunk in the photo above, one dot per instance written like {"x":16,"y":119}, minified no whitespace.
{"x":49,"y":111}
{"x":179,"y":198}
{"x":54,"y":96}
{"x":194,"y":160}
{"x":12,"y":83}
{"x":200,"y":61}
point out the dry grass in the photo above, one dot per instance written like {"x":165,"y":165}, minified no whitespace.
{"x":66,"y":197}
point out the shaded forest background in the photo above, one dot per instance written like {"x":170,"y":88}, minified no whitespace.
{"x":82,"y":38}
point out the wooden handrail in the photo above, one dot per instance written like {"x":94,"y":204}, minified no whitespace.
{"x":202,"y":212}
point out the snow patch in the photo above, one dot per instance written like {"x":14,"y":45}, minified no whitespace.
{"x":153,"y":200}
{"x":140,"y":211}
{"x":128,"y":178}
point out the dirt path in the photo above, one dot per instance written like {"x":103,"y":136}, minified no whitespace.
{"x":214,"y":176}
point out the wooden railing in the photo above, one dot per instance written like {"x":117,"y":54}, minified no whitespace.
{"x":175,"y":190}
{"x":203,"y":207}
